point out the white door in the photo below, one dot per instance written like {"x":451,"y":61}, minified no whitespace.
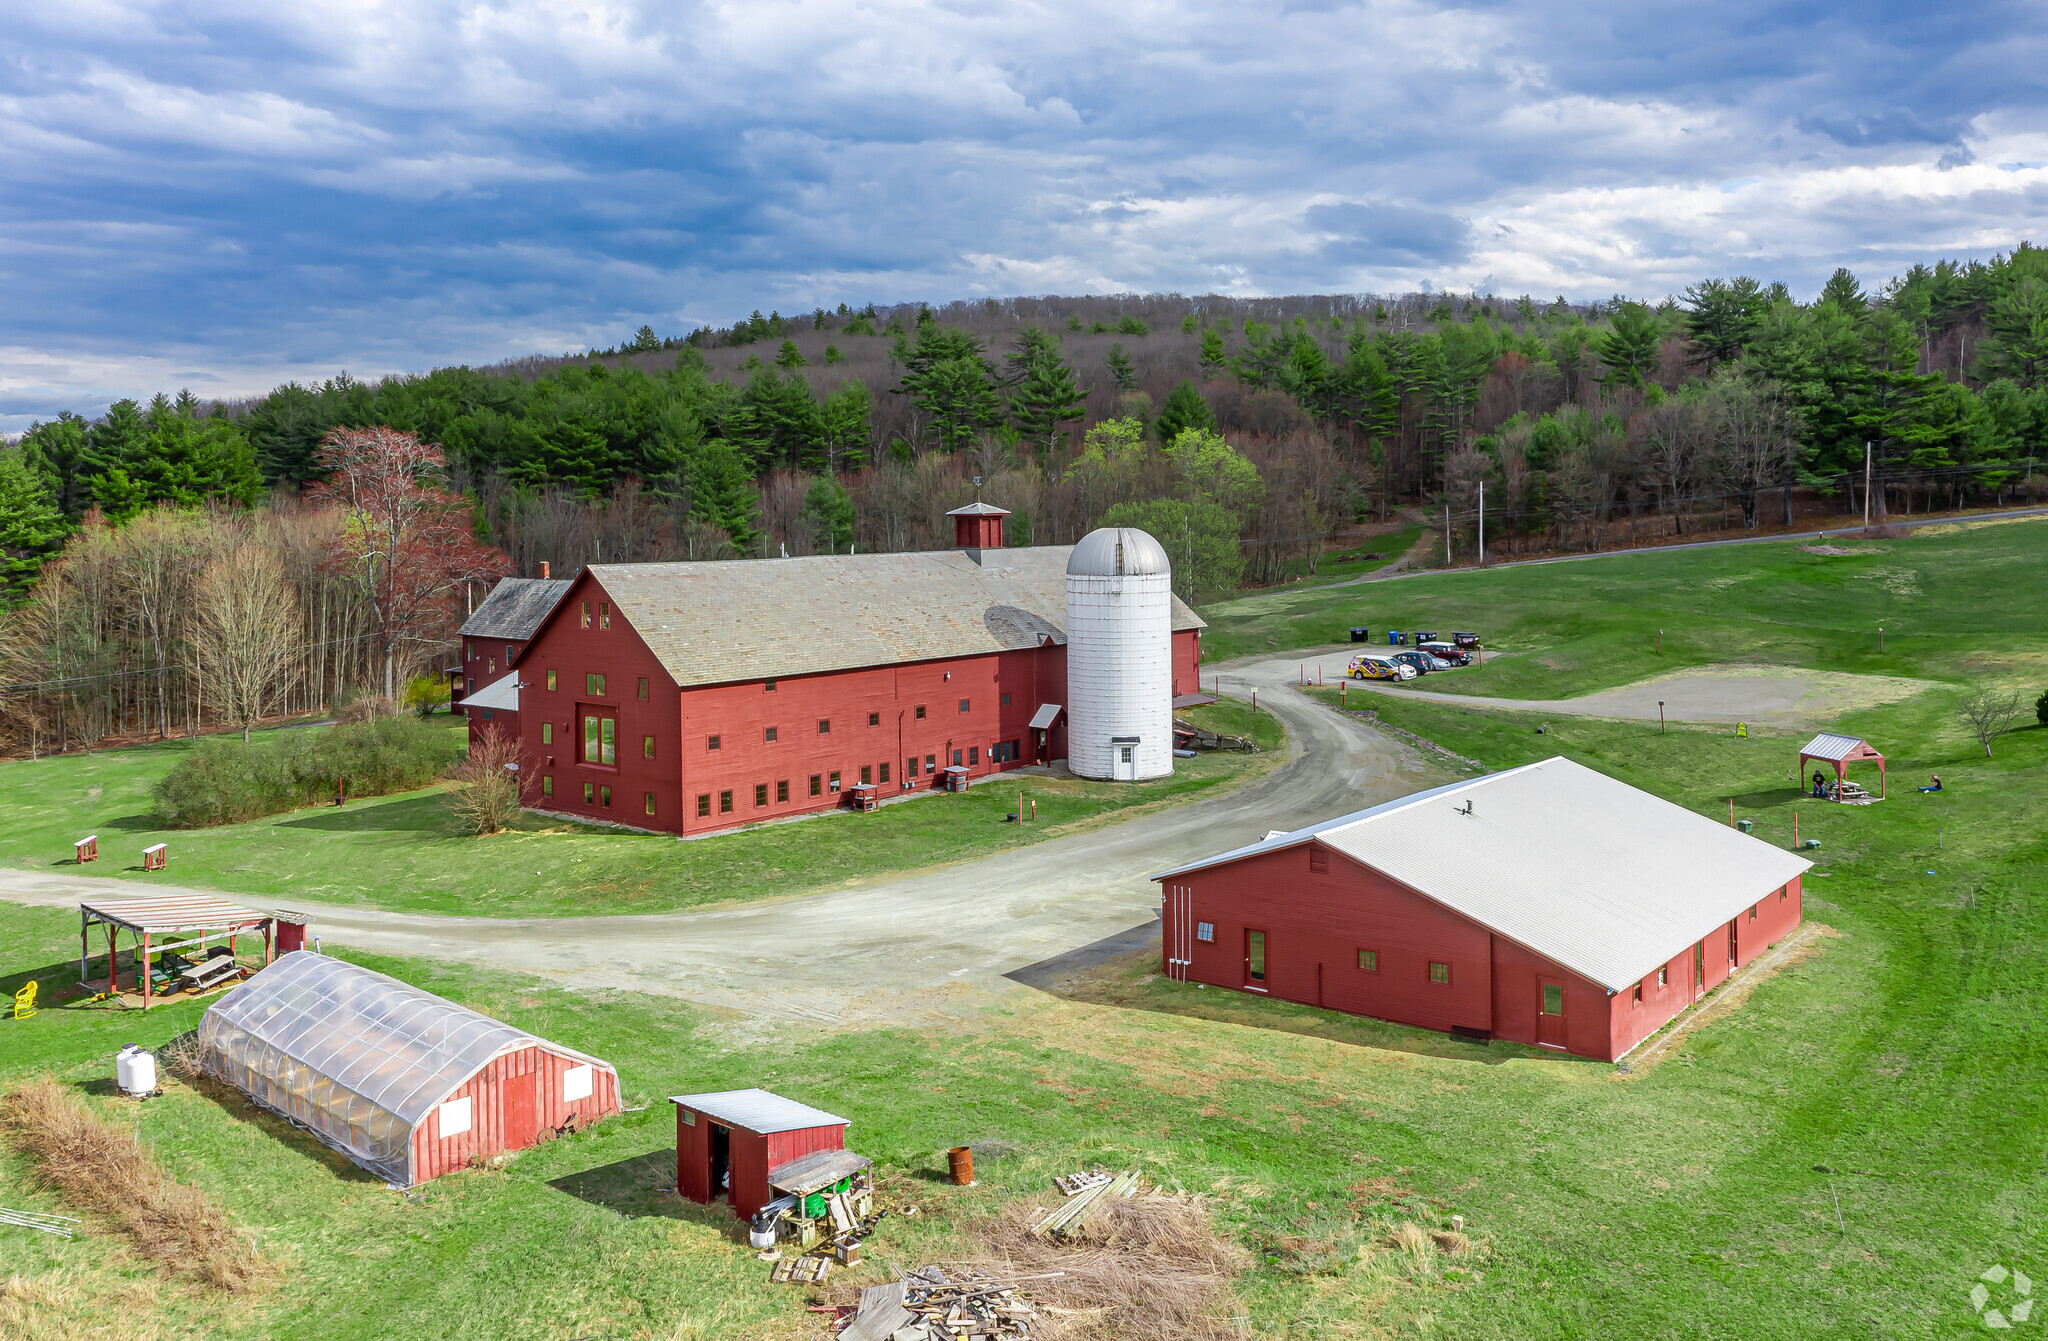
{"x":1126,"y":763}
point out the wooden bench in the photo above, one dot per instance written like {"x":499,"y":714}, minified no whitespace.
{"x":153,"y":858}
{"x":87,"y":848}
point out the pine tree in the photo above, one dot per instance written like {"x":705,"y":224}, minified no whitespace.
{"x":31,"y":527}
{"x":1120,"y":368}
{"x":1184,"y":409}
{"x":1213,"y":358}
{"x":1044,"y":393}
{"x":828,"y":515}
{"x":722,"y":492}
{"x":790,"y":356}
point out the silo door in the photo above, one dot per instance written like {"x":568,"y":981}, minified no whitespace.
{"x":1126,"y":763}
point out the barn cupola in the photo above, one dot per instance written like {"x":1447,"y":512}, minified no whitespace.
{"x":979,"y":525}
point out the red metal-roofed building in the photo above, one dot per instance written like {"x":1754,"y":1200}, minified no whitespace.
{"x":1549,"y":905}
{"x":690,"y":697}
{"x":729,"y":1143}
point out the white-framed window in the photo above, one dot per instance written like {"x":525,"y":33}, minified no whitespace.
{"x":575,"y":1083}
{"x":1205,"y":931}
{"x":456,"y":1115}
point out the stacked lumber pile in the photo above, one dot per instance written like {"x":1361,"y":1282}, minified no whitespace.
{"x":1064,"y":1223}
{"x":929,"y":1304}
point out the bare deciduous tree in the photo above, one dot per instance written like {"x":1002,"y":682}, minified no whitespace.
{"x":247,"y":621}
{"x":1989,"y":713}
{"x":485,"y":796}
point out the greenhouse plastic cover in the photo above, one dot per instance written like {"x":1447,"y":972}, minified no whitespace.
{"x":355,"y":1057}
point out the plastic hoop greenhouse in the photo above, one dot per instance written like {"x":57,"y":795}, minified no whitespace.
{"x":403,"y":1082}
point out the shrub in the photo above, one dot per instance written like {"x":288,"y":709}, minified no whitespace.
{"x":424,"y":693}
{"x":485,"y":796}
{"x":223,"y":781}
{"x":365,"y":708}
{"x":2041,"y":710}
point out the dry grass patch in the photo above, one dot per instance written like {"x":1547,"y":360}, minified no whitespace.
{"x":103,"y":1169}
{"x":1150,"y":1268}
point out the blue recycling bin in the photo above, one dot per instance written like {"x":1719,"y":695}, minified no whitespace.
{"x":1393,"y":637}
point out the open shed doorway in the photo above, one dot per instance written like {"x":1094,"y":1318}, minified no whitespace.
{"x":721,"y":1161}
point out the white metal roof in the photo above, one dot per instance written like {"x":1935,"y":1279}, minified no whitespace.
{"x":1599,"y":876}
{"x":1047,"y":714}
{"x":501,"y":694}
{"x":1828,"y":745}
{"x":171,"y":912}
{"x":757,"y":1110}
{"x":979,"y":509}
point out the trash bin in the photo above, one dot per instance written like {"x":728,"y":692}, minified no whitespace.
{"x":1393,"y":637}
{"x":1359,"y":633}
{"x":1745,"y":825}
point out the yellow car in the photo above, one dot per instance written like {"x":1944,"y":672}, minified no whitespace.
{"x":1379,"y":668}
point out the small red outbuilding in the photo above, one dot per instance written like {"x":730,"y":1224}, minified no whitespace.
{"x":1548,"y":904}
{"x":730,"y":1143}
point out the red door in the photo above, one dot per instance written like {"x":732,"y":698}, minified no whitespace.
{"x":1549,"y":1013}
{"x":1732,"y":961}
{"x":1699,"y":970}
{"x":522,"y":1124}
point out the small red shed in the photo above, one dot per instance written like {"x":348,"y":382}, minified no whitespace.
{"x":1548,"y":904}
{"x":731,"y":1143}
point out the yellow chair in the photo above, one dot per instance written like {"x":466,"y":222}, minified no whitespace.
{"x":25,"y":1000}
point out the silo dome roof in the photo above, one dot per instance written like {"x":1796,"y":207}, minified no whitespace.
{"x":1117,"y":551}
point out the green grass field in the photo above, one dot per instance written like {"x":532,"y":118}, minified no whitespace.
{"x":401,"y":852}
{"x":1841,"y":1156}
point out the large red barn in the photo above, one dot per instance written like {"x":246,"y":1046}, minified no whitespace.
{"x":690,"y":697}
{"x":1548,"y":904}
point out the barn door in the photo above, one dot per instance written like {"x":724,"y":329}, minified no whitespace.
{"x":1732,"y":960}
{"x":522,"y":1119}
{"x":1549,"y":1012}
{"x":1699,"y":970}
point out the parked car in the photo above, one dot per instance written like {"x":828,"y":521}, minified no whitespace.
{"x":1379,"y":668}
{"x":1457,"y":656}
{"x":1423,"y":662}
{"x":1439,"y":663}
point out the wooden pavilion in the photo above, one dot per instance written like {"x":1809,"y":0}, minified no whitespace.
{"x":154,"y":924}
{"x":1841,"y":751}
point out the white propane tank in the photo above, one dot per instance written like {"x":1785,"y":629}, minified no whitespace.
{"x":1119,"y":657}
{"x":135,"y":1071}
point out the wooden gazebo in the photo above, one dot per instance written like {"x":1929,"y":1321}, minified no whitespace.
{"x":155,"y":923}
{"x":1841,"y":751}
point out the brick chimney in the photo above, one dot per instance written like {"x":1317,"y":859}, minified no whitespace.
{"x":543,"y":570}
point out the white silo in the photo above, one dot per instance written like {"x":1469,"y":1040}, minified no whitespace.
{"x":1119,"y":657}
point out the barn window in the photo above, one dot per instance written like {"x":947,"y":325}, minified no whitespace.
{"x":834,"y":781}
{"x":600,"y":740}
{"x":1369,"y":961}
{"x":455,"y":1116}
{"x":469,"y":650}
{"x":604,"y":797}
{"x":487,"y":714}
{"x":931,"y":763}
{"x":973,"y":755}
{"x":920,"y":712}
{"x":508,"y":656}
{"x":963,"y":705}
{"x":593,"y":684}
{"x":1781,"y":894}
{"x":643,"y":689}
{"x":885,"y":772}
{"x":586,"y":614}
{"x":725,"y":803}
{"x":824,"y":726}
{"x":1318,"y":860}
{"x":1638,"y":995}
{"x":650,"y":803}
{"x":711,"y":742}
{"x":910,"y":767}
{"x":491,"y":666}
{"x":867,"y":775}
{"x":576,"y":1084}
{"x":551,"y":682}
{"x":547,"y":784}
{"x":1006,"y":700}
{"x":1752,"y":912}
{"x":589,"y":793}
{"x":816,"y":783}
{"x":768,"y":734}
{"x":956,"y":758}
{"x":782,"y":790}
{"x":703,"y":804}
{"x":1205,"y":931}
{"x":874,"y":719}
{"x":768,"y":686}
{"x":1439,"y":973}
{"x":604,"y":614}
{"x":760,"y":794}
{"x":1664,"y":976}
{"x":1553,"y":998}
{"x":547,"y":733}
{"x":647,"y":747}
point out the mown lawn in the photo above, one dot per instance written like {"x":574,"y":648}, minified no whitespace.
{"x":1950,"y":604}
{"x":401,"y":852}
{"x":1840,"y":1157}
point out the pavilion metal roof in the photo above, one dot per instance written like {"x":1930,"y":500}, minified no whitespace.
{"x":1601,"y":877}
{"x":1828,"y":745}
{"x":171,"y":912}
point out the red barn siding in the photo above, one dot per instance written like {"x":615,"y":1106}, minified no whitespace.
{"x":750,"y":1157}
{"x":1317,"y":922}
{"x":1187,"y":663}
{"x":434,"y":1154}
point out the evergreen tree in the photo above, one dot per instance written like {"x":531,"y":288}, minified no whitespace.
{"x":790,"y":356}
{"x":1121,"y":370}
{"x":1844,"y":292}
{"x":832,"y":355}
{"x":1213,"y":359}
{"x":643,"y":341}
{"x":722,"y":492}
{"x":56,"y":452}
{"x":31,"y":527}
{"x":1184,"y":409}
{"x":946,"y":376}
{"x":845,"y":419}
{"x":1722,"y":315}
{"x":1627,"y":349}
{"x":1044,"y":394}
{"x":828,"y":516}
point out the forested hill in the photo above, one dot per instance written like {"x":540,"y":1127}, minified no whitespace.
{"x":1941,"y":370}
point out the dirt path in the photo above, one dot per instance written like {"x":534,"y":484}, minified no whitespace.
{"x":918,"y":949}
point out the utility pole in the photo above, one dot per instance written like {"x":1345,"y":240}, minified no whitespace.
{"x":1482,"y":523}
{"x":1447,"y":535}
{"x":1866,"y":486}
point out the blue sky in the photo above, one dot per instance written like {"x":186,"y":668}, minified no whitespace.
{"x":223,"y":196}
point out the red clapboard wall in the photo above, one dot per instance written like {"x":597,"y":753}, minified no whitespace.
{"x":750,"y":1155}
{"x":515,"y":1097}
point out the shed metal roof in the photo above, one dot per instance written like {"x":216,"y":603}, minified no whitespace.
{"x":171,"y":912}
{"x":1828,"y":745}
{"x":757,"y":1111}
{"x":1599,"y":876}
{"x":712,"y":623}
{"x":515,"y":608}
